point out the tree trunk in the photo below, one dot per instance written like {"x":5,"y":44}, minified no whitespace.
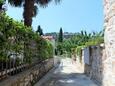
{"x":1,"y":6}
{"x":28,"y":12}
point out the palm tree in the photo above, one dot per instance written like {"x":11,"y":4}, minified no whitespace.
{"x":30,"y":8}
{"x":1,"y":4}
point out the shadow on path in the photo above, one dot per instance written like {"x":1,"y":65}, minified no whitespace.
{"x":66,"y":74}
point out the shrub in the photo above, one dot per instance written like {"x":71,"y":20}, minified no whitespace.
{"x":15,"y":38}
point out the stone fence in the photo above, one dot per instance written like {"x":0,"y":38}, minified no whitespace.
{"x":93,"y":63}
{"x":30,"y":76}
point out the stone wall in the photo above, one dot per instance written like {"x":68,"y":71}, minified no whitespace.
{"x":94,"y":69}
{"x":30,"y":76}
{"x":99,"y":67}
{"x":109,"y":26}
{"x":104,"y":64}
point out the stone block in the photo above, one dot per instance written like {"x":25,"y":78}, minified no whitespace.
{"x":113,"y":67}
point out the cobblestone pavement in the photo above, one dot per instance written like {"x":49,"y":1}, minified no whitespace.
{"x":66,"y":74}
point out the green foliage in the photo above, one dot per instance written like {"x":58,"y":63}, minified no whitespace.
{"x":1,"y":4}
{"x":1,"y":1}
{"x":79,"y":52}
{"x":96,"y":41}
{"x":60,"y":48}
{"x":45,"y":49}
{"x":21,"y":40}
{"x":60,"y":42}
{"x":49,"y":50}
{"x":80,"y":40}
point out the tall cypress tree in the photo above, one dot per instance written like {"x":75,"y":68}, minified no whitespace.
{"x":39,"y":30}
{"x":60,"y":39}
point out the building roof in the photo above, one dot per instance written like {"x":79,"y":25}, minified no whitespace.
{"x":48,"y":37}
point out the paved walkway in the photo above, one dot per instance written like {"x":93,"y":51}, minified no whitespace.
{"x":66,"y":74}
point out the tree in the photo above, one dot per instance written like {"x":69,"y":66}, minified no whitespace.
{"x":60,"y":39}
{"x":1,"y":4}
{"x":20,"y":42}
{"x":39,"y":30}
{"x":30,"y":8}
{"x":60,"y":42}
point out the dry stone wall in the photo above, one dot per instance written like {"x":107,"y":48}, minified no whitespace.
{"x":29,"y":77}
{"x":108,"y":57}
{"x":100,"y":67}
{"x":109,"y":26}
{"x":94,"y":69}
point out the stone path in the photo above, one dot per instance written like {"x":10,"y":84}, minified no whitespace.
{"x":66,"y":74}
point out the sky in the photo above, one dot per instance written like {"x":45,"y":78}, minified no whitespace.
{"x":71,"y":15}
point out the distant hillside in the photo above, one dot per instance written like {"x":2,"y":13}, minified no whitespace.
{"x":55,"y":35}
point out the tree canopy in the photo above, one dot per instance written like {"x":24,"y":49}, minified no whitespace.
{"x":17,"y":39}
{"x":30,"y":8}
{"x":39,"y":30}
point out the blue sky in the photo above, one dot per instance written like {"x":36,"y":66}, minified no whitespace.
{"x":71,"y":15}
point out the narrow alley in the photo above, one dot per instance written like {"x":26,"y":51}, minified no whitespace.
{"x":66,"y":74}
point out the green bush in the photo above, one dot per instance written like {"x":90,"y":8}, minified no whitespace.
{"x":45,"y":49}
{"x":95,"y":41}
{"x":19,"y":39}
